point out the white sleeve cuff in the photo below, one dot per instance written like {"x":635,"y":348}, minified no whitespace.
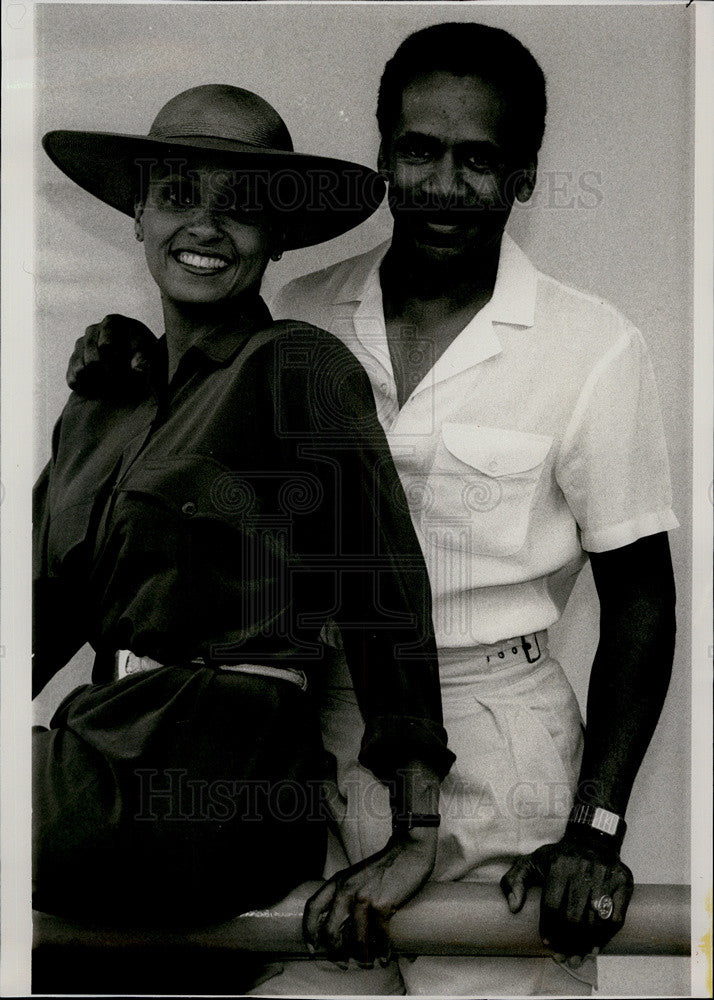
{"x":615,"y":536}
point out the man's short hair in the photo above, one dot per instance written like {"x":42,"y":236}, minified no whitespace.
{"x":467,"y":49}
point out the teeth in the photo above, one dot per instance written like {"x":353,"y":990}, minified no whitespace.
{"x":197,"y":260}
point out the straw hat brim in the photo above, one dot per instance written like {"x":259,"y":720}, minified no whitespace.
{"x":318,"y":197}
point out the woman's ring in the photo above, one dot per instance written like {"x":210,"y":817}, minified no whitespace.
{"x":603,"y":906}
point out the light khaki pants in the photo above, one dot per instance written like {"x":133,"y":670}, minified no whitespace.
{"x":516,"y":730}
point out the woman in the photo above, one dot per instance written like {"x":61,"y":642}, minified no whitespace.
{"x":200,"y":534}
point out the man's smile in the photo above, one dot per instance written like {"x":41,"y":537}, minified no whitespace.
{"x":441,"y":235}
{"x":442,"y":227}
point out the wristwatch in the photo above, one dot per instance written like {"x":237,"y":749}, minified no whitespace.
{"x":606,"y":823}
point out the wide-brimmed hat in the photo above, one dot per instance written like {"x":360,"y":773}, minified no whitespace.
{"x":317,"y":196}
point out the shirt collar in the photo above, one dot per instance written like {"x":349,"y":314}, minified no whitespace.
{"x":361,"y":275}
{"x":222,"y":343}
{"x":514,"y":294}
{"x":512,"y":303}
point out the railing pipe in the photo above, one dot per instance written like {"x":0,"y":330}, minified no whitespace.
{"x":451,"y":918}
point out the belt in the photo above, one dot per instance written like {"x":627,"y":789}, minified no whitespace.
{"x":524,"y":646}
{"x":457,"y":662}
{"x":128,"y":663}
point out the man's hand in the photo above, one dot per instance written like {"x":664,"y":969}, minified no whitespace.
{"x":347,"y":917}
{"x":575,"y":873}
{"x":114,"y":357}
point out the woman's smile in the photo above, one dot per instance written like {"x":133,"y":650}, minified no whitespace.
{"x":201,"y":263}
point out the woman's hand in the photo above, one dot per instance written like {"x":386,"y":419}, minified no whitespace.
{"x":114,"y":356}
{"x":575,"y":875}
{"x":348,"y":916}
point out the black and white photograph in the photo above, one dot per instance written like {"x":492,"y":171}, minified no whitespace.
{"x":356,"y":499}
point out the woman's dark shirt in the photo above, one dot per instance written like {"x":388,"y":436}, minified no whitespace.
{"x":228,"y":516}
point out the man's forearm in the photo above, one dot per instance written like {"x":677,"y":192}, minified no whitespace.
{"x":628,"y":684}
{"x":631,"y":670}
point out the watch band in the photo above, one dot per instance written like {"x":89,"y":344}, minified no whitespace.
{"x":409,"y":820}
{"x":608,"y":823}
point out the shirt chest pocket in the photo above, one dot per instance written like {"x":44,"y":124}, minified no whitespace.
{"x":481,"y":489}
{"x":186,"y":518}
{"x":200,"y":494}
{"x":192,"y":488}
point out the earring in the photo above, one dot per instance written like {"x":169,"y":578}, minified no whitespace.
{"x":277,"y":255}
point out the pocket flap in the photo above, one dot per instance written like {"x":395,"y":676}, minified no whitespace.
{"x":494,"y":450}
{"x":191,"y":485}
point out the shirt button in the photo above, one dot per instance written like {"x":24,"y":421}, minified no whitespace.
{"x":493,"y":466}
{"x":189,"y":508}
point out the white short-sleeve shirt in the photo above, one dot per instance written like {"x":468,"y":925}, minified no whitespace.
{"x":535,"y":437}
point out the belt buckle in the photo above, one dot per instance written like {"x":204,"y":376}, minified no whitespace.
{"x":301,"y":678}
{"x":289,"y":674}
{"x":127,"y":663}
{"x":121,"y":663}
{"x":527,"y":646}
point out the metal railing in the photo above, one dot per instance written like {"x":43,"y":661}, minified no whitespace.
{"x":450,"y":918}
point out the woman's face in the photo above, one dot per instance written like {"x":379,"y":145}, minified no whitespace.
{"x":204,"y":240}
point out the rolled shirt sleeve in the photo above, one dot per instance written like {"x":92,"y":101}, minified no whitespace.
{"x":613,"y":467}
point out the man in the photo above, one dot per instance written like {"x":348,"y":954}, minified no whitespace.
{"x":523,"y":420}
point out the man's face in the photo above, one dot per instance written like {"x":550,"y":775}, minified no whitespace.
{"x":452,"y":171}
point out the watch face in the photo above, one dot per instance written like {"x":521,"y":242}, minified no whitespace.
{"x":602,"y":820}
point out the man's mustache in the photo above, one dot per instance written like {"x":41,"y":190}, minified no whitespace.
{"x":442,"y":208}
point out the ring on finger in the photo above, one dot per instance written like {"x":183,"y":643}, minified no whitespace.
{"x":603,"y":906}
